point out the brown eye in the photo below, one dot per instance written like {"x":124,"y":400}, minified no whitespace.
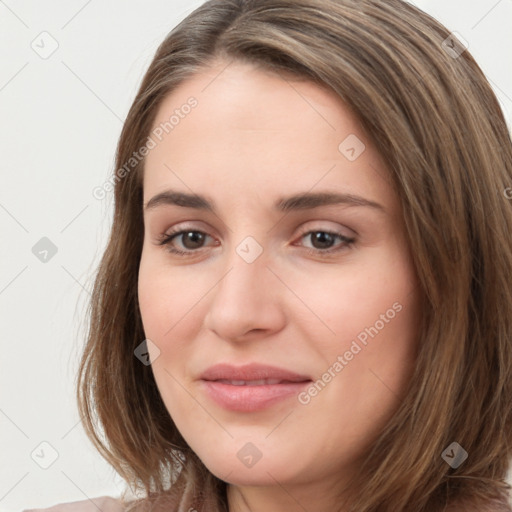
{"x":323,"y":243}
{"x":190,"y":241}
{"x":322,"y":239}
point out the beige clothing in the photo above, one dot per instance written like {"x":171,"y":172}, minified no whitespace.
{"x":100,"y":504}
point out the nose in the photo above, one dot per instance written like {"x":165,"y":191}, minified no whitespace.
{"x":247,"y":301}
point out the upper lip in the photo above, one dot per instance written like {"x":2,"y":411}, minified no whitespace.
{"x":253,"y":371}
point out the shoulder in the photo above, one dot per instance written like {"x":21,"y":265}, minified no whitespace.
{"x":103,"y":503}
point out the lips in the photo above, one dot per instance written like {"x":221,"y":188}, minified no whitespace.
{"x":251,"y":387}
{"x":260,"y":382}
{"x":251,"y":372}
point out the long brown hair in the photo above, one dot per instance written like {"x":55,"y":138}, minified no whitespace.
{"x":429,"y":110}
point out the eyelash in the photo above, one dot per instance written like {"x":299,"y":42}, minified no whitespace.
{"x":166,"y":239}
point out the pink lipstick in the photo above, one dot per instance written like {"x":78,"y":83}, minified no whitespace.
{"x":252,"y":387}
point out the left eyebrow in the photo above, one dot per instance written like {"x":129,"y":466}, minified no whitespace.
{"x":301,"y":201}
{"x":310,"y":200}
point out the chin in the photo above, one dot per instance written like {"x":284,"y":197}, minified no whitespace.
{"x":258,"y":475}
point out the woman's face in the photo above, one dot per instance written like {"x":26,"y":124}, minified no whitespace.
{"x":295,"y":258}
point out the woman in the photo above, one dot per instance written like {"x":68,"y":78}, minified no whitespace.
{"x":304,"y":303}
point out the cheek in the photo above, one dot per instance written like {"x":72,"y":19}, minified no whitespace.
{"x":343,"y":303}
{"x":370,"y":318}
{"x":364,"y":369}
{"x":172,"y":306}
{"x":165,"y":301}
{"x":167,"y":297}
{"x":153,"y":299}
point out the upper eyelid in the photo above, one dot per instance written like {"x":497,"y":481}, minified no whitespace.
{"x":303,"y":230}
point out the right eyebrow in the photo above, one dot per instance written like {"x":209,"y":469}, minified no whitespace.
{"x":170,"y":197}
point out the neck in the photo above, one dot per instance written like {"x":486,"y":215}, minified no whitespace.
{"x":318,"y":496}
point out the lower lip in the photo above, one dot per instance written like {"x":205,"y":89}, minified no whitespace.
{"x":251,"y":398}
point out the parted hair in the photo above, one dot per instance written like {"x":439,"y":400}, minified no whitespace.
{"x":430,"y":112}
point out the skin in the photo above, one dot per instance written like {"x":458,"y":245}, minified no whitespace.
{"x":253,"y":138}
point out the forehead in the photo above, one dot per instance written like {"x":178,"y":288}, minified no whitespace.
{"x":243,"y":97}
{"x":252,"y":133}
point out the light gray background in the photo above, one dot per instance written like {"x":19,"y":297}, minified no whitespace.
{"x":60,"y":121}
